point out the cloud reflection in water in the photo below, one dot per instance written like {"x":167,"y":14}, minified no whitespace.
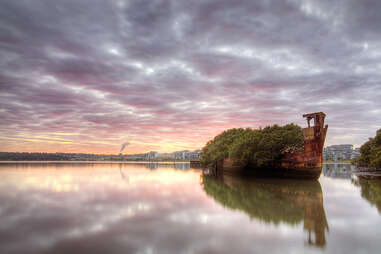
{"x":128,"y":208}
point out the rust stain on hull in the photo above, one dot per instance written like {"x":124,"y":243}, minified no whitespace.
{"x":310,"y":160}
{"x":306,"y":164}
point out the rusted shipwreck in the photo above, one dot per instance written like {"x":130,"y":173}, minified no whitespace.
{"x":306,"y":164}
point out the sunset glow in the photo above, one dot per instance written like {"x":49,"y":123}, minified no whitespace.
{"x":87,"y":76}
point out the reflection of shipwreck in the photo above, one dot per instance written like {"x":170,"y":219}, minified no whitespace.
{"x":306,"y":164}
{"x":274,"y":201}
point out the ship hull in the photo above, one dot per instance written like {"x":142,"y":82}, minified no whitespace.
{"x":303,"y":165}
{"x":227,"y":167}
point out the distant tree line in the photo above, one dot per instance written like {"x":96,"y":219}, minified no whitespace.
{"x":370,"y":153}
{"x":15,"y":156}
{"x":254,"y":148}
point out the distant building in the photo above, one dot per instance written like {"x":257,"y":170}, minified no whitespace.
{"x":178,"y":155}
{"x":186,"y":155}
{"x":195,"y":155}
{"x":338,"y":152}
{"x":152,"y":155}
{"x":167,"y":156}
{"x":356,"y":153}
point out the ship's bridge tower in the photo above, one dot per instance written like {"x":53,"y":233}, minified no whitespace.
{"x":314,"y":136}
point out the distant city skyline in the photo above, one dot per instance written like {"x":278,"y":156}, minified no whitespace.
{"x":87,"y":76}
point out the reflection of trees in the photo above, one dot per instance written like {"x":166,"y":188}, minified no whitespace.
{"x":370,"y":190}
{"x":273,"y":201}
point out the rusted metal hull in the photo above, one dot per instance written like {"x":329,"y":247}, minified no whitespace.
{"x":304,"y":165}
{"x":226,"y":167}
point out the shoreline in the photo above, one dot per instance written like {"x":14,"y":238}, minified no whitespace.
{"x":100,"y":162}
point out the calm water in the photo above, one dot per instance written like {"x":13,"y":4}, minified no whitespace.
{"x":167,"y":208}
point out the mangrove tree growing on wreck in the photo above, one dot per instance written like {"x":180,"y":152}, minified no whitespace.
{"x":254,"y":147}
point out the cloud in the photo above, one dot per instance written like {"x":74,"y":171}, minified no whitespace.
{"x":179,"y":73}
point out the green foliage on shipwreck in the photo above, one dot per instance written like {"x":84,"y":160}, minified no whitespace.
{"x":254,"y":148}
{"x":370,"y":153}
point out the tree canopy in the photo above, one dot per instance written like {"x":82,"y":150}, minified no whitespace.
{"x":257,"y":148}
{"x":370,"y":153}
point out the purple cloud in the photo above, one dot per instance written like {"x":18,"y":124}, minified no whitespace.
{"x":171,"y":75}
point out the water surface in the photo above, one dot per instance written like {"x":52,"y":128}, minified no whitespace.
{"x":171,"y":208}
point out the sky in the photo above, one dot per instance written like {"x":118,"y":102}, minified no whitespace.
{"x":90,"y":75}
